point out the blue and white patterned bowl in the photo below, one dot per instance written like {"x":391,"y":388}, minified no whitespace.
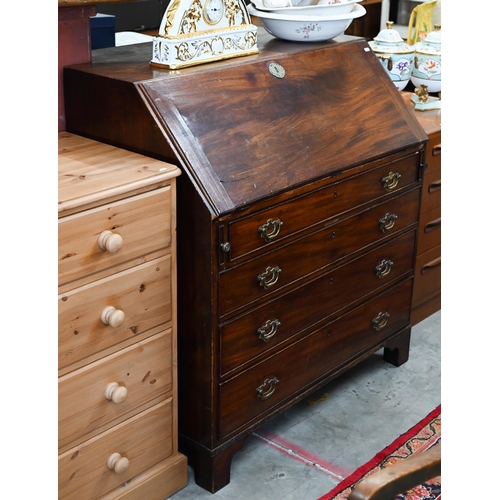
{"x":306,"y":28}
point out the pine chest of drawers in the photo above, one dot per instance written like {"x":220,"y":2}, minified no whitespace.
{"x":298,"y":212}
{"x":117,"y":324}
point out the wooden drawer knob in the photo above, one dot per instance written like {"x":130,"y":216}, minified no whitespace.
{"x":115,"y":392}
{"x":108,"y":241}
{"x":112,"y":316}
{"x":117,"y":463}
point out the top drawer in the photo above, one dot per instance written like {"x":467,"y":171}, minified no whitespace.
{"x":277,"y":223}
{"x":142,"y":223}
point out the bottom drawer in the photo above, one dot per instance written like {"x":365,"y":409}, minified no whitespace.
{"x":144,"y":440}
{"x":427,"y":276}
{"x":258,"y":390}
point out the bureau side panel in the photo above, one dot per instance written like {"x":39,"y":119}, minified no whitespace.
{"x":196,"y":308}
{"x":112,"y":111}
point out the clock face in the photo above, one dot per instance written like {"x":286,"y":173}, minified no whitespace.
{"x":213,"y":11}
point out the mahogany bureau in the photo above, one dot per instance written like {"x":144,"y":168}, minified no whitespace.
{"x":117,"y":324}
{"x":298,"y":213}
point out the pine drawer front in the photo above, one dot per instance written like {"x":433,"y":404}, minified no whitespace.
{"x":135,"y":301}
{"x":241,"y":338}
{"x":144,"y":370}
{"x":267,"y":384}
{"x":144,"y":440}
{"x":271,"y":272}
{"x":276,"y":224}
{"x":143,"y":222}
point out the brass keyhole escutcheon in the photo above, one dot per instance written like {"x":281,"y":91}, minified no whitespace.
{"x":276,"y":70}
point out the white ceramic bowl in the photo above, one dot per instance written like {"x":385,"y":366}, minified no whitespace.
{"x":309,"y":7}
{"x":306,"y":28}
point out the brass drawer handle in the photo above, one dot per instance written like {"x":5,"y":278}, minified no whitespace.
{"x":270,"y":229}
{"x":387,"y":222}
{"x":384,"y":268}
{"x":436,"y":150}
{"x":272,"y":326}
{"x":269,"y":277}
{"x":434,"y":186}
{"x":430,"y":265}
{"x":380,"y":320}
{"x":261,"y":390}
{"x":433,"y":224}
{"x":391,"y":181}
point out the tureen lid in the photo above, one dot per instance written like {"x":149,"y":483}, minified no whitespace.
{"x":389,"y":40}
{"x":431,"y":44}
{"x":434,"y":36}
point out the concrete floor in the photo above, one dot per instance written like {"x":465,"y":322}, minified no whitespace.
{"x":306,"y":451}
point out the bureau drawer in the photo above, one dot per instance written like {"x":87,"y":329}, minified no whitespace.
{"x":300,"y":309}
{"x":144,"y":370}
{"x":144,"y":440}
{"x":272,"y":272}
{"x":143,"y":222}
{"x":314,"y":357}
{"x":431,"y":191}
{"x":429,"y":230}
{"x":264,"y":229}
{"x":143,"y":294}
{"x":427,"y":275}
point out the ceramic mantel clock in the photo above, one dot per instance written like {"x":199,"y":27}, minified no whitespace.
{"x":199,"y":31}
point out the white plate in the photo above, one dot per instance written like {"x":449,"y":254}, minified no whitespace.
{"x":309,"y":8}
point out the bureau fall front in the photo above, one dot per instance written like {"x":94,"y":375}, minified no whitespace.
{"x":297,"y":214}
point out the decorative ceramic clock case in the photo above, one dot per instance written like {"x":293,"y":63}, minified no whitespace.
{"x":198,"y":31}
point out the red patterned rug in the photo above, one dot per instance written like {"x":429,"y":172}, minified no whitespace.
{"x":423,"y":436}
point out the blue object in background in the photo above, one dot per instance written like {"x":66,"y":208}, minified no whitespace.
{"x":102,"y":31}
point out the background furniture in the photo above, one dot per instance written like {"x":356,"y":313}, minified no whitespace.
{"x":298,"y":209}
{"x":117,"y":324}
{"x":136,"y":16}
{"x":368,"y":26}
{"x":427,"y":288}
{"x":74,"y":41}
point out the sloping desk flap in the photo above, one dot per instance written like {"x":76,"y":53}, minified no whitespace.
{"x":244,"y":133}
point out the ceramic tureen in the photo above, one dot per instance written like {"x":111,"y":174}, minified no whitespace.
{"x":395,"y":55}
{"x":427,"y":67}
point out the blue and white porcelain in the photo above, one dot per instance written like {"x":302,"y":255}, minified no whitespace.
{"x":395,"y":55}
